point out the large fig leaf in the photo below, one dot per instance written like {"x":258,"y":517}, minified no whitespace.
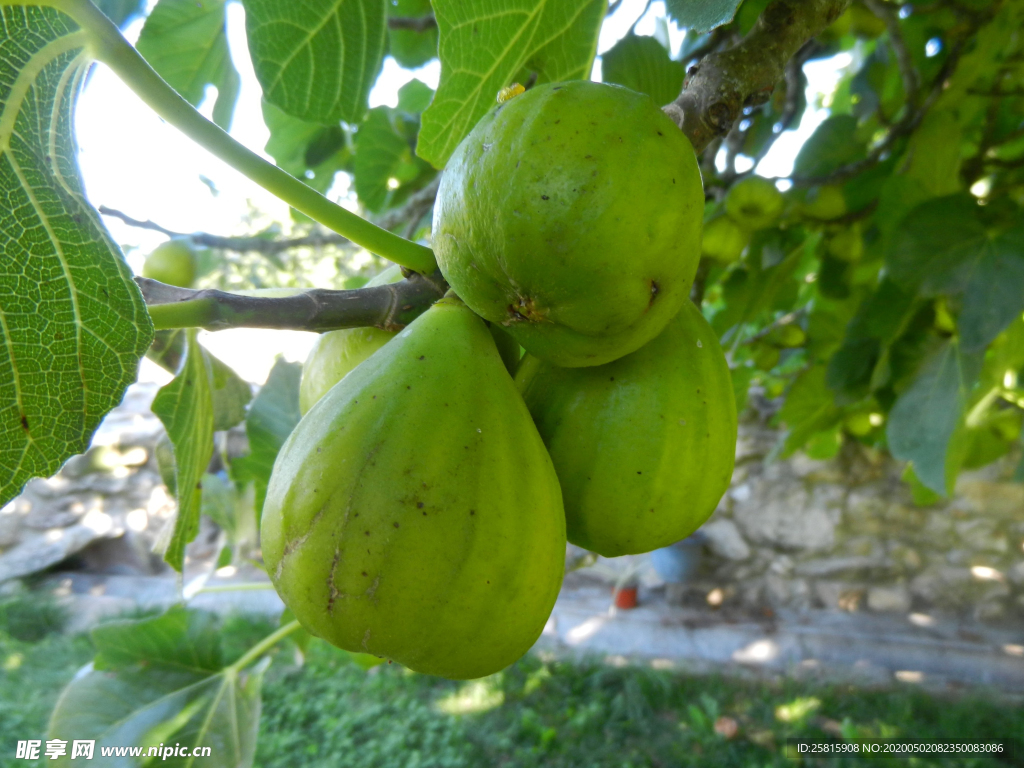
{"x":317,"y":60}
{"x":944,"y":248}
{"x":161,"y":681}
{"x":185,"y":406}
{"x":926,"y":416}
{"x":832,"y":145}
{"x":486,"y":45}
{"x":73,"y":325}
{"x":185,"y":41}
{"x":641,"y":63}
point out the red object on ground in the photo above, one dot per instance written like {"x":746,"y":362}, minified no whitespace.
{"x":626,"y":598}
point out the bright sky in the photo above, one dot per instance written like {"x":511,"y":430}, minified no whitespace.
{"x":132,"y":161}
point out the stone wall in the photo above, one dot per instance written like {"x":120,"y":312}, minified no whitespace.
{"x":846,"y":534}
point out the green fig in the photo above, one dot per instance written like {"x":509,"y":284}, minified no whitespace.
{"x":644,"y":446}
{"x":335,"y":353}
{"x":754,"y":203}
{"x":724,"y":239}
{"x":858,"y":424}
{"x":788,"y":335}
{"x":824,"y":203}
{"x":172,"y":263}
{"x":847,"y":244}
{"x":571,"y":216}
{"x":414,"y":513}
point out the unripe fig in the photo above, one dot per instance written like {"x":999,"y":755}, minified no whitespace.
{"x":788,"y":335}
{"x":571,"y":217}
{"x":335,"y":353}
{"x":824,"y":203}
{"x":724,"y":239}
{"x":644,"y":446}
{"x":847,"y":244}
{"x":414,"y":513}
{"x":754,"y":203}
{"x":858,"y":424}
{"x":766,"y":357}
{"x":172,"y":262}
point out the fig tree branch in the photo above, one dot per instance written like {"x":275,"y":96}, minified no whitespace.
{"x":721,"y":85}
{"x":390,"y":307}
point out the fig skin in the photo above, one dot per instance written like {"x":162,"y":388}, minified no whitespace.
{"x":571,"y":216}
{"x":644,"y":446}
{"x":414,"y":512}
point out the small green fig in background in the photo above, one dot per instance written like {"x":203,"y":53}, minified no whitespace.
{"x":847,"y":244}
{"x":335,"y":353}
{"x":824,"y":203}
{"x":754,"y":203}
{"x":724,"y":240}
{"x":173,"y":263}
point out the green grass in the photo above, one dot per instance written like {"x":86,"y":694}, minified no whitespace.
{"x":329,"y":713}
{"x":571,"y":715}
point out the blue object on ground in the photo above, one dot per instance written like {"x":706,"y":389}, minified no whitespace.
{"x":677,"y":563}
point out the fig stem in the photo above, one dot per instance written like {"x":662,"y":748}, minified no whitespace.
{"x":108,"y":45}
{"x":263,"y":646}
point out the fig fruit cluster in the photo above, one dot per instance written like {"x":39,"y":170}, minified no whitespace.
{"x":419,"y":511}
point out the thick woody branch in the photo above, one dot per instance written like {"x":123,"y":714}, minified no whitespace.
{"x":390,"y":307}
{"x":724,"y":83}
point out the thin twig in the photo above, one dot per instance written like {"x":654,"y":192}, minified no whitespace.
{"x":700,"y":282}
{"x":904,"y":60}
{"x":240,"y":244}
{"x":412,"y":23}
{"x":901,"y":128}
{"x":413,"y":209}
